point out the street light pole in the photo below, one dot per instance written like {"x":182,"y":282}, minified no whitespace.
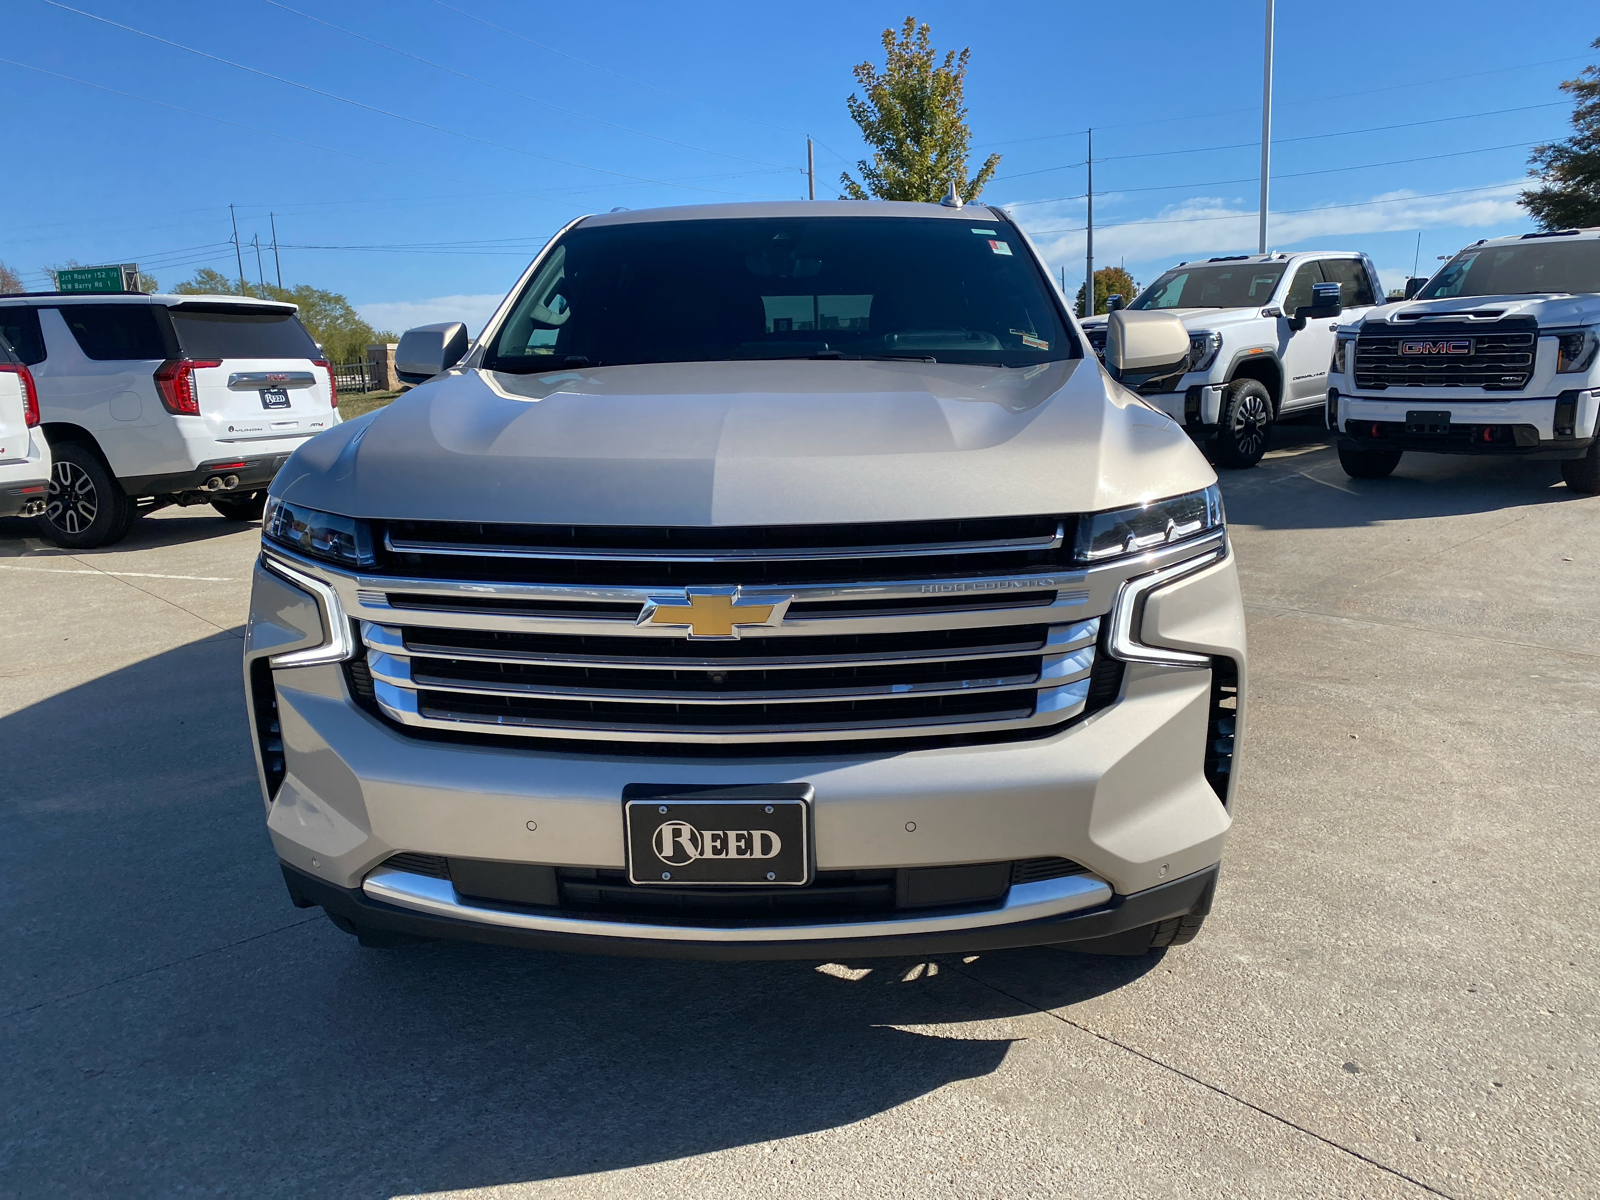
{"x":1088,"y":258}
{"x":1266,"y":129}
{"x":811,"y":170}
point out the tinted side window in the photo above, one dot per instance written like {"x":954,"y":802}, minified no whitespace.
{"x":1355,"y":289}
{"x":1300,"y":290}
{"x":108,"y":332}
{"x":20,"y":327}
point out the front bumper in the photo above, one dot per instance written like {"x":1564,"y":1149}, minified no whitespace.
{"x":1197,"y":408}
{"x":1127,"y":792}
{"x":1522,"y":428}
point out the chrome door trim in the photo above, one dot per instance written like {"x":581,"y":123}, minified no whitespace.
{"x":1025,"y":902}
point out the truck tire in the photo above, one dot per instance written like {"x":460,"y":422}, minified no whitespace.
{"x":1369,"y":464}
{"x":247,"y":507}
{"x":1583,"y":474}
{"x":86,"y":506}
{"x":1243,"y":425}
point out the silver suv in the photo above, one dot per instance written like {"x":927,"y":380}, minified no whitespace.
{"x":1261,"y":329}
{"x":767,"y":581}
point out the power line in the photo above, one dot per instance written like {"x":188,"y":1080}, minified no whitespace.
{"x":1245,"y":216}
{"x":513,"y":92}
{"x":614,"y":74}
{"x":305,"y":87}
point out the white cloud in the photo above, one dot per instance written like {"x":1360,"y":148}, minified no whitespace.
{"x":397,"y":316}
{"x":1209,"y":225}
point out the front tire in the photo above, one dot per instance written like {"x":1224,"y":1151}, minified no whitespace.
{"x":242,"y":508}
{"x":1583,"y":474}
{"x":1244,"y":425}
{"x":1369,"y":464}
{"x":86,"y":506}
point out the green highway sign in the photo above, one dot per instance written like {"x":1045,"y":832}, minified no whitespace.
{"x":98,"y":279}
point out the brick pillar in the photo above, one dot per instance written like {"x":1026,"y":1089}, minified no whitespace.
{"x":380,"y":359}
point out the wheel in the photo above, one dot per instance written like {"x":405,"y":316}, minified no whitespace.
{"x":1583,"y":474}
{"x":1369,"y":464}
{"x":86,"y":506}
{"x":1175,"y":931}
{"x":1243,"y":424}
{"x":241,"y":508}
{"x":374,"y":939}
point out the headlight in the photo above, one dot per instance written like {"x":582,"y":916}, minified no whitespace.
{"x":1149,"y":526}
{"x":1577,"y":352}
{"x":1341,"y":347}
{"x":327,"y":536}
{"x":1203,"y":347}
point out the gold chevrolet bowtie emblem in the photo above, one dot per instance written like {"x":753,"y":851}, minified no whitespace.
{"x":713,"y":614}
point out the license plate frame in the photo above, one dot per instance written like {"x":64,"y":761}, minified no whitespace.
{"x":275,"y":397}
{"x":1427,"y":422}
{"x":724,"y":838}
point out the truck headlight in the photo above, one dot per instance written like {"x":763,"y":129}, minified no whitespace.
{"x":1577,"y":352}
{"x":1149,"y":526}
{"x":1341,"y":349}
{"x":1203,"y":347}
{"x":328,"y":536}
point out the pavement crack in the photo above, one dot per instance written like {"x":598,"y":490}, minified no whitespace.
{"x":177,"y":962}
{"x":153,"y":595}
{"x":1221,"y":1091}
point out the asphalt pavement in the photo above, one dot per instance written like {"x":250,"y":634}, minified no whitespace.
{"x":1394,"y":997}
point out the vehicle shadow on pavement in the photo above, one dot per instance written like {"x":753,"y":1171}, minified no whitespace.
{"x":174,"y":1025}
{"x":172,"y":527}
{"x":1300,"y":485}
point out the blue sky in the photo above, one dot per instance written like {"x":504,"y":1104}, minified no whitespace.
{"x":421,"y":188}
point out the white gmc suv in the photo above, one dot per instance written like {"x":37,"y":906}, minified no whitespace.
{"x":1259,"y":340}
{"x":1498,"y":354}
{"x":154,"y":400}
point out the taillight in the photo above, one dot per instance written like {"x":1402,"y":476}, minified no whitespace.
{"x":333,"y":388}
{"x":30,"y":393}
{"x":175,"y":383}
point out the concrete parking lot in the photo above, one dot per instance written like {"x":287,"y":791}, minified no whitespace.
{"x":1396,"y":994}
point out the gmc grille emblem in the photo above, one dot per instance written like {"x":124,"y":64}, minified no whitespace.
{"x":1458,"y":346}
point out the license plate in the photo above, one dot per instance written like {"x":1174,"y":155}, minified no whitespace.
{"x":274,"y":398}
{"x":1427,"y":422}
{"x":718,"y":836}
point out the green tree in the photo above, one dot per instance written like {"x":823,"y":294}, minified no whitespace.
{"x":10,"y":281}
{"x":1109,"y":281}
{"x":328,"y":316}
{"x":1570,"y":169}
{"x":915,"y":118}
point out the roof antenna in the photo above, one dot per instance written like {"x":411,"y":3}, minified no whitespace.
{"x":952,"y":198}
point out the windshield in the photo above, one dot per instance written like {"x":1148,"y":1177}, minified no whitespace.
{"x":233,"y":331}
{"x":1217,"y":285}
{"x":754,"y":288}
{"x":1519,"y":270}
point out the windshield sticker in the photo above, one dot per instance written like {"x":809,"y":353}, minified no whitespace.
{"x":985,"y":232}
{"x":999,"y":247}
{"x":1029,"y":340}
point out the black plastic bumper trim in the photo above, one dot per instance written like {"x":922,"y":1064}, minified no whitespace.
{"x":1181,"y":897}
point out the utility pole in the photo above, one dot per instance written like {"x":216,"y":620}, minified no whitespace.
{"x":1266,"y":129}
{"x":1088,"y":264}
{"x":255,"y":240}
{"x":237,"y":252}
{"x":811,"y":168}
{"x":276,"y":261}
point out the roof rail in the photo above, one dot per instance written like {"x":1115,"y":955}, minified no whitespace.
{"x":1230,"y":258}
{"x":1551,"y":233}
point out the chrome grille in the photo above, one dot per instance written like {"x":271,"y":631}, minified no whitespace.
{"x":1501,"y":358}
{"x":969,"y":628}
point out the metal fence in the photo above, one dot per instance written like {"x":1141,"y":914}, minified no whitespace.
{"x":355,"y":376}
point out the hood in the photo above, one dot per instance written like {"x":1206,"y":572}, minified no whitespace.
{"x":731,"y":443}
{"x":1551,"y":310}
{"x":1197,"y":318}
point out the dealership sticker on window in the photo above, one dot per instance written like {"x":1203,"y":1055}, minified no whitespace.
{"x":1029,"y":340}
{"x":985,"y":232}
{"x":999,"y":247}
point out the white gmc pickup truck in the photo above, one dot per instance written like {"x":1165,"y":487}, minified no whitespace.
{"x":1496,"y":355}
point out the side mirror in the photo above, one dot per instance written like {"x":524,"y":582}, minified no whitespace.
{"x":429,"y":349}
{"x":1414,"y":285}
{"x":1146,"y":349}
{"x":1114,"y":303}
{"x":1324,"y":304}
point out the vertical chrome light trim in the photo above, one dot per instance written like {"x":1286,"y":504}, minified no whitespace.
{"x":1124,"y":643}
{"x":339,"y":644}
